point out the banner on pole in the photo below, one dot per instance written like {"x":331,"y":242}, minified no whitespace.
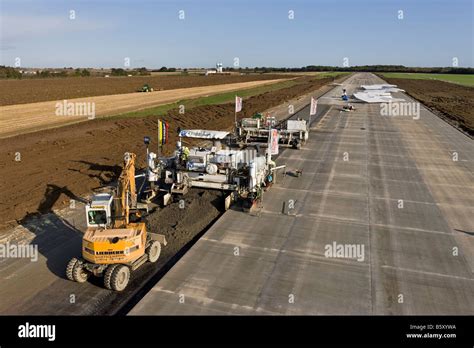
{"x":314,"y":106}
{"x":274,"y":137}
{"x":238,"y":104}
{"x":163,"y":132}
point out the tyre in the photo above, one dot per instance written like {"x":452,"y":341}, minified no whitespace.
{"x":153,"y":251}
{"x":108,"y":276}
{"x":79,"y":274}
{"x":120,"y":278}
{"x":70,"y":268}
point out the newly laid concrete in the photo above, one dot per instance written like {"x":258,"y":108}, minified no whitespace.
{"x":395,"y":192}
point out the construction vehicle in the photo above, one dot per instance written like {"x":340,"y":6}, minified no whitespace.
{"x":146,"y":88}
{"x":242,"y":172}
{"x":292,"y":133}
{"x":113,"y":246}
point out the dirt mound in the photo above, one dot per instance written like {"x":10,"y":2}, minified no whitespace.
{"x":58,"y":165}
{"x":183,"y":219}
{"x":455,"y":103}
{"x":36,"y":90}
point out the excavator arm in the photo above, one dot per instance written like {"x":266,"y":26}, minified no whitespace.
{"x":126,"y":191}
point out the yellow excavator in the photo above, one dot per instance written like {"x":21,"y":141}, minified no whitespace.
{"x":113,"y":246}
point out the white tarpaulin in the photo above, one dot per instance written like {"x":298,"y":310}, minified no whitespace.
{"x":376,"y":97}
{"x":382,"y":88}
{"x":378,"y":93}
{"x":378,"y":86}
{"x":203,"y":134}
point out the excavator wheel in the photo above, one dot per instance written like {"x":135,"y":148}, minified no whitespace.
{"x":153,"y":251}
{"x":78,"y":273}
{"x":108,"y":276}
{"x":70,"y":268}
{"x":120,"y":277}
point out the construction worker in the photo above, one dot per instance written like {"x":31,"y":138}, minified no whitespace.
{"x":344,"y":94}
{"x":184,"y":153}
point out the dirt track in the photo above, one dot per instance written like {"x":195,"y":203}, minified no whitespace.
{"x":37,"y":90}
{"x":453,"y":102}
{"x":23,"y":118}
{"x":73,"y":160}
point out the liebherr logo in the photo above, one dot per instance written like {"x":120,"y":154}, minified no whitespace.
{"x":37,"y":331}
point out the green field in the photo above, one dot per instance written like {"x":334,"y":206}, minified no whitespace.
{"x":461,"y":79}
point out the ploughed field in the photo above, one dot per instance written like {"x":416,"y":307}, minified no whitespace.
{"x":36,"y":90}
{"x":454,"y":103}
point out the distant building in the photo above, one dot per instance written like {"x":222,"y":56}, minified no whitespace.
{"x":217,"y":70}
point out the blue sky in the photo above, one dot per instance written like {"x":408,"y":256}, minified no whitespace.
{"x":259,"y":32}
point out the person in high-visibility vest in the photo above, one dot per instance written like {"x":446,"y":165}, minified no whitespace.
{"x":184,"y":153}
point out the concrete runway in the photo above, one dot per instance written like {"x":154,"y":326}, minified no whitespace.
{"x":387,"y":188}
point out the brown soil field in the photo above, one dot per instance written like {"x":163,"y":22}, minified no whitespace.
{"x":36,"y":90}
{"x":454,"y":103}
{"x":76,"y":159}
{"x":24,"y":118}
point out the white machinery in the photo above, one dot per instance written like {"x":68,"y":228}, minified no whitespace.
{"x":217,"y":164}
{"x":293,"y":133}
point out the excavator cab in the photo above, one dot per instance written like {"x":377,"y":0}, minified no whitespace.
{"x":99,"y":211}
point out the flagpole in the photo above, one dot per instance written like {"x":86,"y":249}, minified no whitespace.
{"x":235,"y":114}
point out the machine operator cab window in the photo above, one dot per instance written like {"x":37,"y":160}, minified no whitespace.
{"x":97,"y":217}
{"x":100,"y":210}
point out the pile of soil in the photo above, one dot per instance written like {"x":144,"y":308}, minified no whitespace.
{"x":61,"y":164}
{"x":181,"y":221}
{"x":454,"y":103}
{"x":35,"y":90}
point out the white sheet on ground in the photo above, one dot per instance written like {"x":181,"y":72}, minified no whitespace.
{"x":376,"y":98}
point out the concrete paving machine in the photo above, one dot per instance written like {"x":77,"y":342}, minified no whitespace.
{"x":292,"y":133}
{"x":219,"y":163}
{"x":113,"y":246}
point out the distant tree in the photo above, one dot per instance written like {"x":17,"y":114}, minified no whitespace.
{"x":142,"y":71}
{"x":9,"y":72}
{"x":118,"y":72}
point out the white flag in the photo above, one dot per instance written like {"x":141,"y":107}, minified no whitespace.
{"x":314,"y":106}
{"x":274,"y":137}
{"x":238,"y":104}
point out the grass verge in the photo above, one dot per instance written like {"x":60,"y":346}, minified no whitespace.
{"x":461,"y":79}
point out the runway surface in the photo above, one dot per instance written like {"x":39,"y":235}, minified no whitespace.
{"x":396,"y":193}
